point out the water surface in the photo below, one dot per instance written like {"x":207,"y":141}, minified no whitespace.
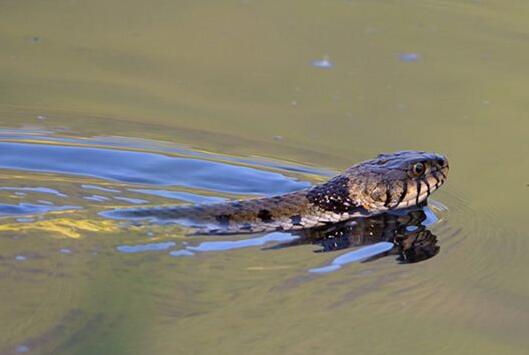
{"x":105,"y":105}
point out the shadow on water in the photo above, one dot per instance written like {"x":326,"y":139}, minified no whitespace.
{"x":404,"y":235}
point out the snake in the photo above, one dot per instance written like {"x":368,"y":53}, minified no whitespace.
{"x":389,"y":182}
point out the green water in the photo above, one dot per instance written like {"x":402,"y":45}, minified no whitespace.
{"x":236,"y":79}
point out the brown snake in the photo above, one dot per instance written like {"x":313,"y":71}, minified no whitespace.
{"x":388,"y":182}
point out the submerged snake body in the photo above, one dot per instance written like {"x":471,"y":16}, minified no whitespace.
{"x":388,"y":182}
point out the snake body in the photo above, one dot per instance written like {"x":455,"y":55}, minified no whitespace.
{"x":388,"y":182}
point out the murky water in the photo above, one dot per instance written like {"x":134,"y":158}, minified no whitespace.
{"x":106,"y":104}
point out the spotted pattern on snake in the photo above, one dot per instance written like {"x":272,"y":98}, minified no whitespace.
{"x":385,"y":183}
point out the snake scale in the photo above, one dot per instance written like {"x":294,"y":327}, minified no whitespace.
{"x":388,"y":182}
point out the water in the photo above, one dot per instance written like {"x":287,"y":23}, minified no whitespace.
{"x":104,"y":105}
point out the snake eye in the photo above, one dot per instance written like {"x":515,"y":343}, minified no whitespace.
{"x":418,"y":169}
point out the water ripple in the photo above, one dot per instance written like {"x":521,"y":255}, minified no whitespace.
{"x":30,"y":208}
{"x":43,"y":190}
{"x":145,"y":168}
{"x":179,"y":195}
{"x":140,"y":248}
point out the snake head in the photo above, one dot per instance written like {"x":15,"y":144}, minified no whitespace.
{"x":397,"y":180}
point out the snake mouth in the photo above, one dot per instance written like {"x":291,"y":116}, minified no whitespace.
{"x":417,"y":190}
